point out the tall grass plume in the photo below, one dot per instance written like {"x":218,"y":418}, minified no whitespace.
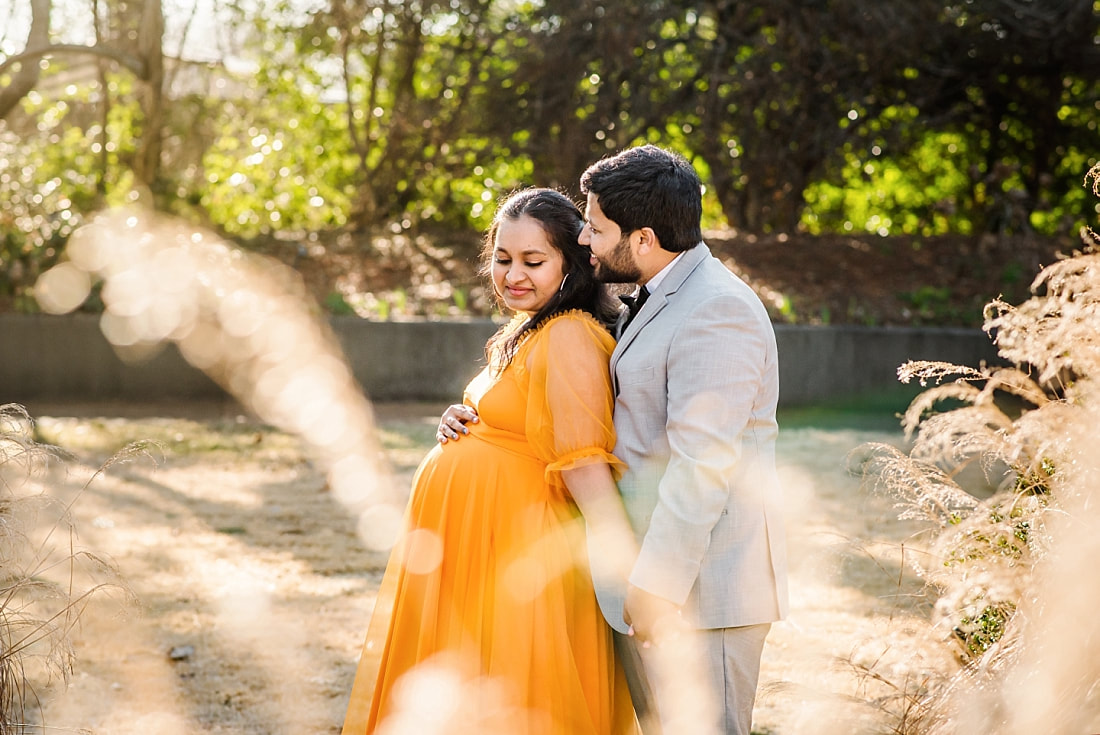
{"x":47,"y":581}
{"x":1004,"y":473}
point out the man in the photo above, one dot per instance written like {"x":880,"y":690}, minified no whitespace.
{"x":696,"y":379}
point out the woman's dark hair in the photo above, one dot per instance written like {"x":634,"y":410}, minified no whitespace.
{"x":651,"y":187}
{"x":561,"y":220}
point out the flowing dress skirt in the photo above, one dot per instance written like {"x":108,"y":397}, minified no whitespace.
{"x":486,"y":620}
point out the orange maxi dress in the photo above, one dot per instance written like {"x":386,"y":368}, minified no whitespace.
{"x":486,"y":620}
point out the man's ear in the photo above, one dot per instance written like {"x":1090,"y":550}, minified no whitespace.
{"x":646,"y":240}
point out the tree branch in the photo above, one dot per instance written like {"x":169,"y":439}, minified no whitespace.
{"x":134,"y":64}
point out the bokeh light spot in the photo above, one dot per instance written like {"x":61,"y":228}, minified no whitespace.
{"x":62,"y":288}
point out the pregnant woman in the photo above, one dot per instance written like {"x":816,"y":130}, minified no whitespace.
{"x":486,"y":620}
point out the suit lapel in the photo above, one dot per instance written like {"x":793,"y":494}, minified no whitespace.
{"x":658,"y":299}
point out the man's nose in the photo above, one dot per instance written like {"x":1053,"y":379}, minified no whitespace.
{"x":583,"y":238}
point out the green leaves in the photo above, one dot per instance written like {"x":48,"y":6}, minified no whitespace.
{"x":827,"y":117}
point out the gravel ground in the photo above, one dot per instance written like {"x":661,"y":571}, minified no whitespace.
{"x":253,"y":590}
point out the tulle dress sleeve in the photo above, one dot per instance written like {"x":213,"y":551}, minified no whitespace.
{"x":569,"y":402}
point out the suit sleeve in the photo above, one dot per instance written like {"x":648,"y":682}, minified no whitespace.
{"x":715,"y":368}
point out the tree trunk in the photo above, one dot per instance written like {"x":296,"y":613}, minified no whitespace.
{"x":24,"y":80}
{"x":151,"y":51}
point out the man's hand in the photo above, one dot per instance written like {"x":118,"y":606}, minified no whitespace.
{"x":453,"y":422}
{"x":652,"y":619}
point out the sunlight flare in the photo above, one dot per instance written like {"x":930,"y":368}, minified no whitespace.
{"x":247,"y":322}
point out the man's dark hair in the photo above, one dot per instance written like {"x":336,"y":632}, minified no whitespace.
{"x":650,"y":187}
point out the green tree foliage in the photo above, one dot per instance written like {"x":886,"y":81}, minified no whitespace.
{"x":924,"y":191}
{"x":999,"y":112}
{"x":77,"y":136}
{"x":65,"y":166}
{"x":277,"y":167}
{"x":924,"y":117}
{"x":791,"y":85}
{"x":409,"y":81}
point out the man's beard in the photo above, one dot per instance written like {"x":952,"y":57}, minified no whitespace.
{"x":619,"y":265}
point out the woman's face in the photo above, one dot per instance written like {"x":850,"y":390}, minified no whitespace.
{"x":527,"y":269}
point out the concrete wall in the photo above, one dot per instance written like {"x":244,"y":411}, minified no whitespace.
{"x":59,"y":358}
{"x":823,"y":363}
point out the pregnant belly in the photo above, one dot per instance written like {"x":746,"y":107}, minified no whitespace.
{"x":474,"y":474}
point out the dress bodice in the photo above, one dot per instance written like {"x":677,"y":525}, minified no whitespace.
{"x":553,"y":395}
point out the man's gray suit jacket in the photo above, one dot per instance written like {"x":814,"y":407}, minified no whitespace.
{"x":697,"y":382}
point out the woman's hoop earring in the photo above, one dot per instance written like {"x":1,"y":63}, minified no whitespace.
{"x":563,"y":280}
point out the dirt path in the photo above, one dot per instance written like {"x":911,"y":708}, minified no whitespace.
{"x":255,"y":591}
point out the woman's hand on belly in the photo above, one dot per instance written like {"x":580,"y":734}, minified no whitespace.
{"x":452,"y":424}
